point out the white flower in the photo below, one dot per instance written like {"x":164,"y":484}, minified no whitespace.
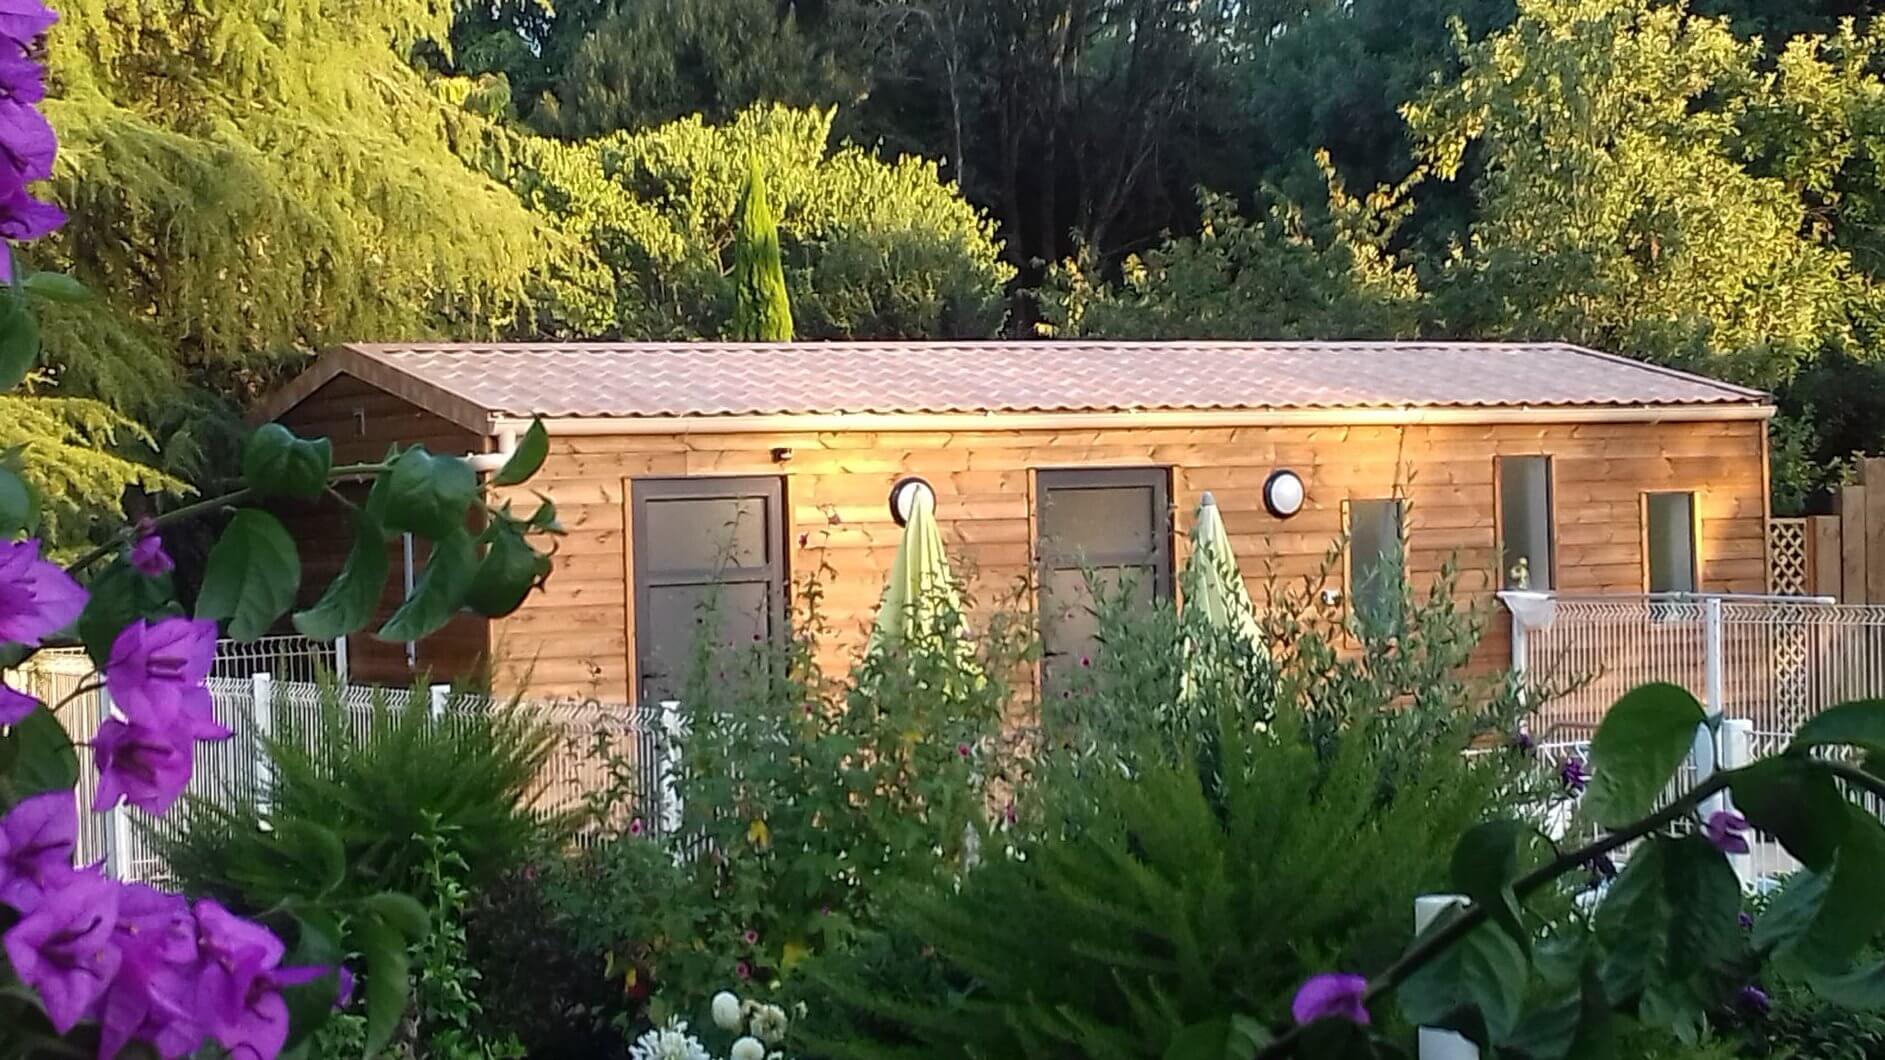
{"x":769,"y":1024}
{"x":748,"y":1049}
{"x":668,"y":1042}
{"x":726,"y":1012}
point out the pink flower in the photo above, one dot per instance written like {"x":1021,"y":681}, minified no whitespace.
{"x":1727,"y":831}
{"x":37,"y":838}
{"x":63,"y":949}
{"x":142,"y":765}
{"x":149,"y":557}
{"x":743,"y":970}
{"x":750,"y":937}
{"x":962,"y":750}
{"x":1331,"y":996}
{"x":635,"y":827}
{"x":37,"y":599}
{"x":15,"y":706}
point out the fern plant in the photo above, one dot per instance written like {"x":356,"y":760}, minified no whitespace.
{"x":1210,"y":822}
{"x":380,"y":784}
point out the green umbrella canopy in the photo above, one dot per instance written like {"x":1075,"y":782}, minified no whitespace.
{"x":1212,"y":578}
{"x":921,"y":585}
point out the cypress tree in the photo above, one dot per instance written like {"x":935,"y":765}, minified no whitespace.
{"x":761,"y":310}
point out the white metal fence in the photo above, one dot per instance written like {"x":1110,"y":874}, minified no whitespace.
{"x":1762,"y":665}
{"x":280,"y":687}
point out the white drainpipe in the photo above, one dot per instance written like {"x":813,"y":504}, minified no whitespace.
{"x":491,"y":462}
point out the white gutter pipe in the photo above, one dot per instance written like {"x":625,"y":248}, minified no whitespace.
{"x":1023,"y":421}
{"x":486,"y":463}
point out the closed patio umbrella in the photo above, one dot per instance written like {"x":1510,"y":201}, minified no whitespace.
{"x":921,"y":585}
{"x":1212,"y":577}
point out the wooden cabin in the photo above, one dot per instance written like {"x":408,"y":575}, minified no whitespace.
{"x":684,"y":469}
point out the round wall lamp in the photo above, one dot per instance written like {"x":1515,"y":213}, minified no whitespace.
{"x":907,"y":494}
{"x":1283,"y":493}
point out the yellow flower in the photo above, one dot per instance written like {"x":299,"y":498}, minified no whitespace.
{"x":759,"y":834}
{"x":795,"y":953}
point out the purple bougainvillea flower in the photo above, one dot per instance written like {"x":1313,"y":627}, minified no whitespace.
{"x":260,"y":1028}
{"x":149,"y":557}
{"x":235,"y":953}
{"x":1523,"y":742}
{"x":15,"y":706}
{"x":344,"y":996}
{"x":1728,"y":831}
{"x":1746,"y":921}
{"x":21,"y":79}
{"x":1331,"y":996}
{"x":23,"y":21}
{"x":153,"y":664}
{"x":1753,"y":999}
{"x":37,"y":598}
{"x":144,"y":766}
{"x":153,"y":997}
{"x":64,"y":948}
{"x":24,"y":218}
{"x":37,"y":837}
{"x":27,"y":143}
{"x":1575,"y":774}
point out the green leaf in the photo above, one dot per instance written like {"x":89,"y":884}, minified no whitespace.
{"x":1485,"y":862}
{"x":1576,"y":1026}
{"x":275,"y":463}
{"x":439,"y":592}
{"x":506,"y":574}
{"x":544,"y":518}
{"x":402,"y":911}
{"x":1637,"y":749}
{"x":1862,"y":988}
{"x":1672,"y":913}
{"x":253,"y":575}
{"x":354,"y":595}
{"x":388,"y":986}
{"x":1850,"y":914}
{"x":19,"y":504}
{"x":119,"y":596}
{"x":19,"y":339}
{"x":527,"y":458}
{"x":1796,"y":799}
{"x":57,"y":287}
{"x":1703,"y":897}
{"x":315,"y":848}
{"x":425,"y":494}
{"x":317,"y":944}
{"x":1859,"y":723}
{"x":1483,"y":975}
{"x":41,"y":755}
{"x":1791,"y":911}
{"x":1235,"y":1037}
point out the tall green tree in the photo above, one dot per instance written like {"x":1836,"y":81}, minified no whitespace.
{"x":871,"y":249}
{"x":762,"y":311}
{"x":247,"y":184}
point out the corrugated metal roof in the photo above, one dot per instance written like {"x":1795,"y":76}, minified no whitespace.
{"x":823,"y":378}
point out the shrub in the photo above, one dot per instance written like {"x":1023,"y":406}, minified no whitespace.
{"x":1212,"y":822}
{"x":805,"y":802}
{"x":381,"y":788}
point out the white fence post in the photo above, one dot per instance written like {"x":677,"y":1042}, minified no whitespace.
{"x":262,"y":712}
{"x":1737,"y":750}
{"x":340,"y":661}
{"x":440,"y":694}
{"x":668,"y":765}
{"x":1712,"y":681}
{"x":1436,"y":1044}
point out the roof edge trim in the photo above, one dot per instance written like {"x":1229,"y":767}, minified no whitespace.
{"x":348,"y":360}
{"x":1023,"y":421}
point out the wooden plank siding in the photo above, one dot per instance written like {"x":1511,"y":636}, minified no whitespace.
{"x":576,"y":637}
{"x":362,"y":422}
